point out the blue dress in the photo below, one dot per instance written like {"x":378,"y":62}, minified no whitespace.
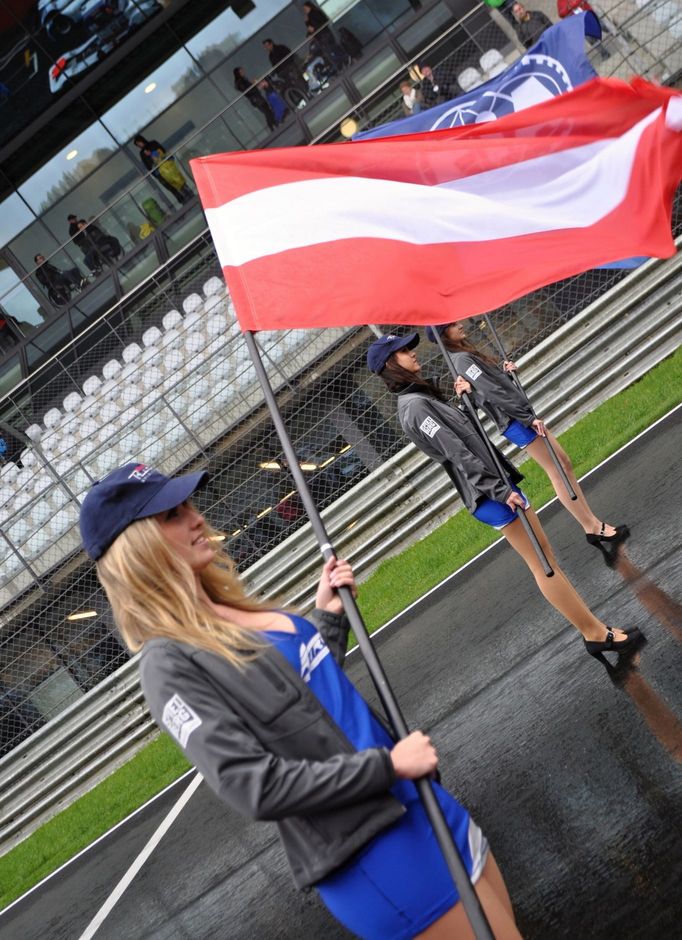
{"x":398,"y":884}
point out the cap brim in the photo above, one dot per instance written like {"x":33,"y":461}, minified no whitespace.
{"x":174,"y":492}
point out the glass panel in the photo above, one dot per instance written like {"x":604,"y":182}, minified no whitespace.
{"x":37,"y":240}
{"x":216,"y":138}
{"x":136,"y":269}
{"x":327,"y":112}
{"x":24,"y":309}
{"x":227,"y":31}
{"x":375,"y":71}
{"x":178,"y":234}
{"x":14,"y":216}
{"x":198,"y":107}
{"x":152,"y":96}
{"x":96,"y":193}
{"x":48,"y":341}
{"x":65,"y":170}
{"x":367,"y":19}
{"x":427,"y":28}
{"x":10,"y":375}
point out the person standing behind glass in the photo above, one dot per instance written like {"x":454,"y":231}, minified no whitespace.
{"x":151,"y":151}
{"x":256,"y":99}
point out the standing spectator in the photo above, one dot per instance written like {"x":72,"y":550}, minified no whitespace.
{"x":286,"y":65}
{"x":58,"y":284}
{"x":431,"y":87}
{"x":316,"y":19}
{"x":90,"y":253}
{"x":277,"y":104}
{"x":163,"y":168}
{"x":256,"y":99}
{"x":411,"y":99}
{"x":529,"y":24}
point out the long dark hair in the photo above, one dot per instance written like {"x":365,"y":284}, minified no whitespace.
{"x":397,"y":379}
{"x":463,"y":345}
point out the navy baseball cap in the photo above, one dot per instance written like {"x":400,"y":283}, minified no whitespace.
{"x":132,"y":492}
{"x":432,"y":330}
{"x":383,"y":347}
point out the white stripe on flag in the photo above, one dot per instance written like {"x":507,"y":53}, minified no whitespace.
{"x":570,"y":189}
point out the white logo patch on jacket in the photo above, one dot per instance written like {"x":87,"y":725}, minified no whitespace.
{"x":473,"y":372}
{"x":429,"y":427}
{"x":180,"y":719}
{"x":312,"y":653}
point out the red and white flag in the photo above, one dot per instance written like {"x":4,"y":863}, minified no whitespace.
{"x":433,"y":227}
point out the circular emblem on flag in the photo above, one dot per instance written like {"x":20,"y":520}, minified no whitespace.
{"x":535,"y":78}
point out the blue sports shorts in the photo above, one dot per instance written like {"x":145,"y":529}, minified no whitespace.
{"x":399,"y":885}
{"x":498,"y":515}
{"x":518,"y":434}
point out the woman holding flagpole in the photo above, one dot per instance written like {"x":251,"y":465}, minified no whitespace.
{"x":256,"y":698}
{"x":494,"y":392}
{"x":448,"y":436}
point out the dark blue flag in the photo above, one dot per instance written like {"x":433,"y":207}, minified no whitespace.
{"x":555,"y":64}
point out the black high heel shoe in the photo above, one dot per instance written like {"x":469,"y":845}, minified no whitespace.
{"x":597,"y":648}
{"x":610,"y":549}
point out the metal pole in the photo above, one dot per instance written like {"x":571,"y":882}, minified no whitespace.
{"x":549,"y":571}
{"x":517,"y":381}
{"x":472,"y":905}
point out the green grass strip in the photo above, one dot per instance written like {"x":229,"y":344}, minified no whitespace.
{"x":395,"y":584}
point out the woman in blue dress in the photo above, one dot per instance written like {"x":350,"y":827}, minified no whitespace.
{"x":257,"y":700}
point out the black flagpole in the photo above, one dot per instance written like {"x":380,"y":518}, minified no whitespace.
{"x":472,"y":905}
{"x":517,"y":381}
{"x":473,"y":414}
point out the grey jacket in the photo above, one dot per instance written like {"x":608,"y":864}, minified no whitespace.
{"x":268,"y":748}
{"x":446,"y":434}
{"x":493,"y":391}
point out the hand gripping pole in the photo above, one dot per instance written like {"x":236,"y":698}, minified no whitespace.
{"x":472,"y":905}
{"x":473,"y":414}
{"x":517,"y":381}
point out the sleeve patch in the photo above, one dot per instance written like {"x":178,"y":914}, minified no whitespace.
{"x":473,"y":372}
{"x":180,"y":719}
{"x":429,"y":427}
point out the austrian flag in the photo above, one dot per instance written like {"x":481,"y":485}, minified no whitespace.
{"x":433,"y":227}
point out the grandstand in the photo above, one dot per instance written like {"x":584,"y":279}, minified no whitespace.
{"x":147,"y":362}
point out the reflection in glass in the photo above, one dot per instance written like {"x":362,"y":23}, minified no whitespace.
{"x":154,"y":93}
{"x":227,"y":31}
{"x":327,"y":112}
{"x":14,"y":216}
{"x":23,"y":308}
{"x":67,"y":168}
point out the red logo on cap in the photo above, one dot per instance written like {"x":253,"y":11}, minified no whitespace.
{"x":141,"y":472}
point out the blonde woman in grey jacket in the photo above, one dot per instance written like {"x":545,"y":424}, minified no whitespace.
{"x":447,"y":435}
{"x":257,"y":700}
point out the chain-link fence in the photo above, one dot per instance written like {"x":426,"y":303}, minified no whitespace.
{"x":165,"y":379}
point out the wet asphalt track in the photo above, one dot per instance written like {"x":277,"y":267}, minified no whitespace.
{"x":575,"y":778}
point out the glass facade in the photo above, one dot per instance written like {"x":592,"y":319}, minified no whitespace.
{"x":145,"y":208}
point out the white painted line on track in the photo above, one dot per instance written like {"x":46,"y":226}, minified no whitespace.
{"x":91,"y":845}
{"x":390,"y":623}
{"x":126,"y":880}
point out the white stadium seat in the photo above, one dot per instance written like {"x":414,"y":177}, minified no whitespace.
{"x":34,"y":432}
{"x":151,"y":336}
{"x":172,"y":320}
{"x":52,"y":418}
{"x":131,"y":353}
{"x":214,"y":286}
{"x":111,"y":369}
{"x":193,"y":304}
{"x":492,"y":62}
{"x":92,"y":385}
{"x":469,"y":79}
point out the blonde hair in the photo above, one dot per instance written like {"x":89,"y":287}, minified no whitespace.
{"x":153,"y":593}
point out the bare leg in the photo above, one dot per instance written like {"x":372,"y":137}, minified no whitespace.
{"x":579,"y":507}
{"x":494,"y":898}
{"x":558,"y":590}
